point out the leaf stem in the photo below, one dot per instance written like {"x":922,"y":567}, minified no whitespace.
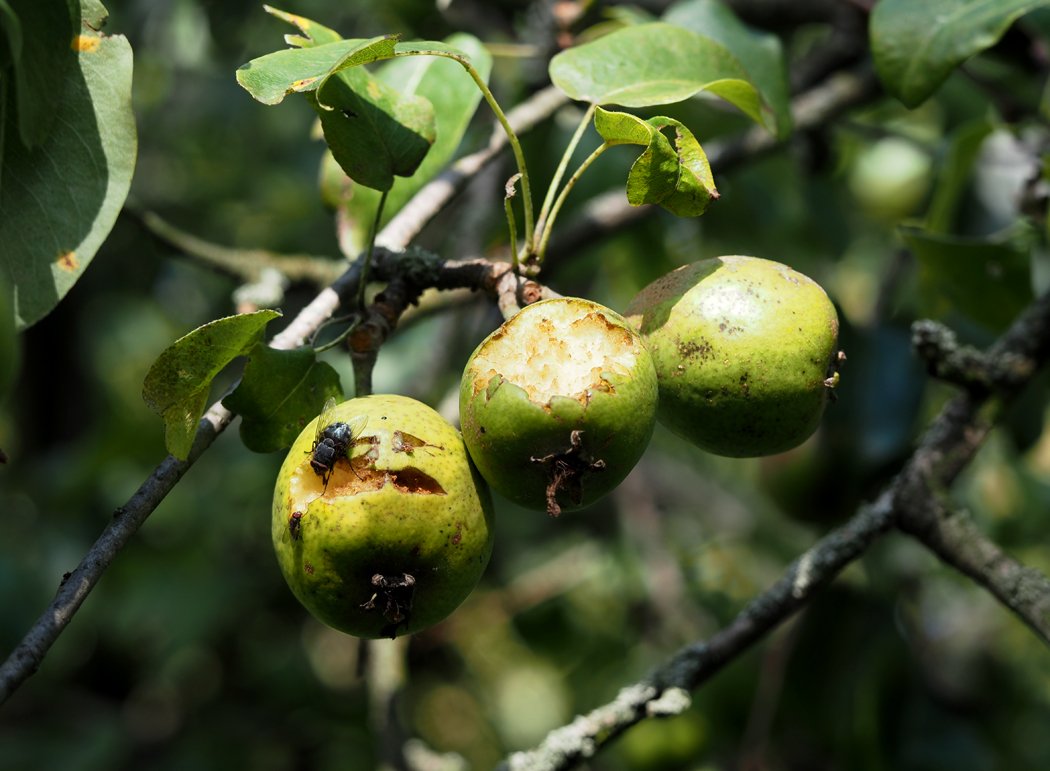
{"x":541,"y":221}
{"x":545,"y":235}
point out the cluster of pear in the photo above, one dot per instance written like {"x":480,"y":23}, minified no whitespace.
{"x":736,"y":354}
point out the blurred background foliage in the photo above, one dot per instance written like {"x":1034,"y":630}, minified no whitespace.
{"x":192,"y":653}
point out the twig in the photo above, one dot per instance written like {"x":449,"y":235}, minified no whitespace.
{"x":951,"y":443}
{"x":246,"y":265}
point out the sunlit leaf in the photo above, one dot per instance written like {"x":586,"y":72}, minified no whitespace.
{"x":916,"y":45}
{"x":270,"y":78}
{"x":177,"y":385}
{"x":59,"y":201}
{"x":760,"y":53}
{"x":984,"y":280}
{"x":279,"y":393}
{"x":672,"y":173}
{"x":653,"y":64}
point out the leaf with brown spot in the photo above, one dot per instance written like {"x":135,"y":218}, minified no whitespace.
{"x":61,"y":189}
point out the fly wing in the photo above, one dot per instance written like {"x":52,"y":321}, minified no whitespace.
{"x":324,"y":418}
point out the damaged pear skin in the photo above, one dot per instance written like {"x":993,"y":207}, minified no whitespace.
{"x":558,"y":404}
{"x":397,"y":534}
{"x":745,"y":352}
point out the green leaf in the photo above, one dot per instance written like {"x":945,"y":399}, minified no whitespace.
{"x":760,"y":53}
{"x":985,"y":280}
{"x":455,"y":97}
{"x":270,"y":78}
{"x":176,"y":386}
{"x":280,"y":392}
{"x":653,"y":64}
{"x":916,"y":45}
{"x":42,"y":66}
{"x":677,"y":175}
{"x":315,"y":34}
{"x":59,"y":201}
{"x":373,"y":131}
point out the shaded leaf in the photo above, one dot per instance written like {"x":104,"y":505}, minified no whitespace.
{"x":455,"y":97}
{"x":280,"y":392}
{"x":42,"y":65}
{"x":760,"y":53}
{"x":985,"y":280}
{"x":176,"y":386}
{"x":653,"y":64}
{"x":10,"y":42}
{"x":374,"y":132}
{"x":916,"y":45}
{"x":676,"y":175}
{"x":59,"y":201}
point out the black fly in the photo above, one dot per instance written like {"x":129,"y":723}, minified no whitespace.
{"x":295,"y":525}
{"x":332,"y":441}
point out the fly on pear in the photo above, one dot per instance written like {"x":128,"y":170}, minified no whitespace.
{"x":295,"y":525}
{"x":332,"y":441}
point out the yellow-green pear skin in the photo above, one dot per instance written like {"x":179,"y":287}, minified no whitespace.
{"x":745,"y":353}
